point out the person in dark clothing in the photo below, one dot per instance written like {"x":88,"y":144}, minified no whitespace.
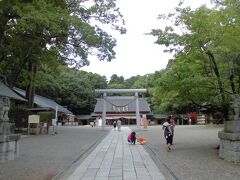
{"x":114,"y":125}
{"x":168,"y":134}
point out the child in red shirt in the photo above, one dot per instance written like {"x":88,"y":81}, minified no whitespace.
{"x":132,"y":137}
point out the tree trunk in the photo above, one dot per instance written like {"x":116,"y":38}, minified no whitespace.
{"x":30,"y":93}
{"x":224,"y":104}
{"x":217,"y":74}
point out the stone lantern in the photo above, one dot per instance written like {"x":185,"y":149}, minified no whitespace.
{"x":230,"y":136}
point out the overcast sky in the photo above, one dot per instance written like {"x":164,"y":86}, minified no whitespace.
{"x":136,"y":53}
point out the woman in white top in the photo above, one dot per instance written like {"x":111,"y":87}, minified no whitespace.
{"x":119,"y":123}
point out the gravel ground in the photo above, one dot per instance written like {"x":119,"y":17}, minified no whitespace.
{"x":44,"y":156}
{"x":194,"y":155}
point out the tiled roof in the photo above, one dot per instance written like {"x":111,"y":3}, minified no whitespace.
{"x":122,"y":104}
{"x":45,"y":102}
{"x":6,"y":91}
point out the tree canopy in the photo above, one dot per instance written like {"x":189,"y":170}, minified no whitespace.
{"x":35,"y":33}
{"x":38,"y":39}
{"x":72,"y":88}
{"x":205,"y":69}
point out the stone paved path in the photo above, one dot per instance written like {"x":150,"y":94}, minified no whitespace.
{"x":115,"y":158}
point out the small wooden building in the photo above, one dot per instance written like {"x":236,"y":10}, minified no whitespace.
{"x":45,"y":104}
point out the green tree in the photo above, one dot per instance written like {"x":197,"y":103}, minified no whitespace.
{"x":72,"y":88}
{"x":115,"y":79}
{"x":206,"y":55}
{"x":35,"y":32}
{"x":130,"y":81}
{"x":116,"y":82}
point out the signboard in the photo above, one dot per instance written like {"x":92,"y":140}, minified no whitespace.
{"x":33,"y":119}
{"x":45,"y":125}
{"x":71,"y":118}
{"x":54,"y":122}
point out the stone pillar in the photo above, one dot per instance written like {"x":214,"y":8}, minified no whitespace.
{"x":9,"y":147}
{"x":9,"y":142}
{"x":230,"y":136}
{"x":104,"y":111}
{"x":137,"y":111}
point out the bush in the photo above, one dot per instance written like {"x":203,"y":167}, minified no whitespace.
{"x":46,"y":116}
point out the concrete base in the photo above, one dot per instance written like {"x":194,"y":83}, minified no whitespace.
{"x":6,"y":127}
{"x":230,"y":141}
{"x":9,"y":147}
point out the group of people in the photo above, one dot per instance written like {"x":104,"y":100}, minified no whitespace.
{"x":168,"y":128}
{"x":132,"y":136}
{"x":117,"y":124}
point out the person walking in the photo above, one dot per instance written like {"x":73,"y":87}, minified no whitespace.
{"x":172,"y":123}
{"x":114,"y":125}
{"x":119,"y":123}
{"x":168,"y":135}
{"x":189,"y":121}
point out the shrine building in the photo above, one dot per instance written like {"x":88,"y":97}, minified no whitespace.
{"x":129,"y":109}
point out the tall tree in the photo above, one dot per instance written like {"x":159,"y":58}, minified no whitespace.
{"x":116,"y":82}
{"x":71,"y":88}
{"x":207,"y":45}
{"x":36,"y":31}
